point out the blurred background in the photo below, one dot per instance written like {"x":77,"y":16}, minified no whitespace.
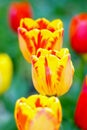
{"x":21,"y":84}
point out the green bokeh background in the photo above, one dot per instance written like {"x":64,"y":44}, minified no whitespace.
{"x":22,"y":82}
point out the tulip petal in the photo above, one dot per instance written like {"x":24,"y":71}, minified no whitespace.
{"x":42,"y":23}
{"x":55,"y":25}
{"x":44,"y":116}
{"x":23,"y":114}
{"x":28,"y":24}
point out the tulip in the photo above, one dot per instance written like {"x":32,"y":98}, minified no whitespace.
{"x":6,"y":71}
{"x":78,"y":33}
{"x":40,"y":33}
{"x":38,"y":112}
{"x":81,"y":107}
{"x":52,"y":71}
{"x":17,"y":11}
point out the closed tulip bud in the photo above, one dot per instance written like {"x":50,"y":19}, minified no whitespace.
{"x":52,"y":71}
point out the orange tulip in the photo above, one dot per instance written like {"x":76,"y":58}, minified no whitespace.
{"x":38,"y":112}
{"x":52,"y":71}
{"x":40,"y":33}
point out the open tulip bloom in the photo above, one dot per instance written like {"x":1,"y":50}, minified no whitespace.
{"x":40,"y":33}
{"x":52,"y":71}
{"x":38,"y":112}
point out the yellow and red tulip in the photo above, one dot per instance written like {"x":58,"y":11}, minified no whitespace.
{"x":52,"y":71}
{"x":81,"y":108}
{"x":6,"y":71}
{"x":38,"y":112}
{"x":40,"y":33}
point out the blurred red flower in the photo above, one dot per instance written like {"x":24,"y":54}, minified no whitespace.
{"x":81,"y":107}
{"x":18,"y":10}
{"x":78,"y":33}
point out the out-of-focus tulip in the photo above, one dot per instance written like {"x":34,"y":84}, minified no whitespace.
{"x":17,"y":11}
{"x":81,"y":108}
{"x":52,"y":71}
{"x":6,"y":71}
{"x":40,"y":33}
{"x":38,"y":112}
{"x":78,"y":33}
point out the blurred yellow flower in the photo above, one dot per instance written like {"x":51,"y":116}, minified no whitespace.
{"x":6,"y":71}
{"x":38,"y":112}
{"x":52,"y":71}
{"x":40,"y":33}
